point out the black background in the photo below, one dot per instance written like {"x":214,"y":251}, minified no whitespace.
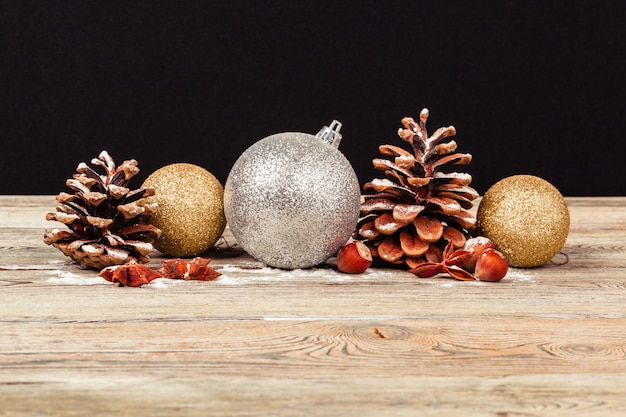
{"x":531,"y":87}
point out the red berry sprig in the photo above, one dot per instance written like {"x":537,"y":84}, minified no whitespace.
{"x":478,"y":260}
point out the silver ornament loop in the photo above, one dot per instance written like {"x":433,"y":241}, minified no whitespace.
{"x":330,"y":134}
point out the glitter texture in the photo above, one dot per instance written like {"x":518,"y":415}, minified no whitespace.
{"x":292,"y":200}
{"x":526,"y":218}
{"x":191,"y":209}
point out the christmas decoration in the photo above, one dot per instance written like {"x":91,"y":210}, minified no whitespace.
{"x":527,"y":219}
{"x":292,"y":199}
{"x":106,"y":225}
{"x":354,"y":258}
{"x":133,"y":274}
{"x":196,"y":269}
{"x":191,"y":209}
{"x":475,"y":246}
{"x":491,"y":265}
{"x":411,"y":216}
{"x":475,"y":261}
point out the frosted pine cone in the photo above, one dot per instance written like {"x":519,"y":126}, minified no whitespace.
{"x":410,"y":216}
{"x":104,"y":221}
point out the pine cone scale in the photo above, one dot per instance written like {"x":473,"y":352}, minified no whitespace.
{"x":412,"y":245}
{"x":406,"y":213}
{"x":386,"y":224}
{"x":377,"y":204}
{"x":390,"y":250}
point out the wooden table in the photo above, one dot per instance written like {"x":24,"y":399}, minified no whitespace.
{"x":548,"y":341}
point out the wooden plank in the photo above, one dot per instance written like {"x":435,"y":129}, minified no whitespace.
{"x":260,"y":341}
{"x":241,"y":368}
{"x":319,"y":349}
{"x":181,"y":392}
{"x":379,"y":296}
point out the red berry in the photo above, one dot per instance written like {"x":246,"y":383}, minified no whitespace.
{"x":491,"y":266}
{"x":354,"y":258}
{"x":475,"y":246}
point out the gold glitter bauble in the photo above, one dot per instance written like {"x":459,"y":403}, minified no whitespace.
{"x":526,"y":218}
{"x":191,"y":209}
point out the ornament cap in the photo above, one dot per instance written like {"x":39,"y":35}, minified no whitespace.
{"x":330,"y":134}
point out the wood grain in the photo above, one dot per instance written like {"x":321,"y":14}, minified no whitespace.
{"x":549,"y":341}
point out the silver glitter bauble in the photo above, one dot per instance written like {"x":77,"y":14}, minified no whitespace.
{"x":292,"y":200}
